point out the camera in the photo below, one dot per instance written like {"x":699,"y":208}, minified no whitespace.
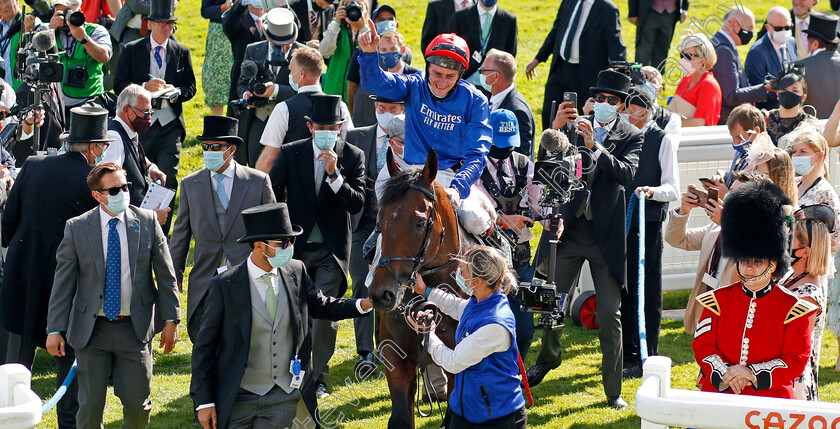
{"x":542,"y":298}
{"x":77,"y":77}
{"x":258,"y":85}
{"x":631,"y":70}
{"x":41,"y":9}
{"x":353,"y":11}
{"x":37,"y":63}
{"x":559,"y":177}
{"x":278,"y":58}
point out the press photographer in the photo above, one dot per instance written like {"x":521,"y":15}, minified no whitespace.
{"x":84,"y":48}
{"x":12,"y":21}
{"x":264,"y":80}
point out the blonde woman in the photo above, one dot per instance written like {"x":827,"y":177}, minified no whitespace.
{"x":484,"y":361}
{"x":811,"y":259}
{"x":698,"y":97}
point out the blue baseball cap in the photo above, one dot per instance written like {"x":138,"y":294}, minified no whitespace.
{"x":505,"y":128}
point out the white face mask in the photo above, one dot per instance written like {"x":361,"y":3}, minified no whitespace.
{"x":780,"y":37}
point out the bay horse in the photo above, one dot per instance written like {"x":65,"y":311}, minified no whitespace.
{"x":420,"y":236}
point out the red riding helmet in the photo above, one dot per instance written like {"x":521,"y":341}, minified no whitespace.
{"x":448,"y":51}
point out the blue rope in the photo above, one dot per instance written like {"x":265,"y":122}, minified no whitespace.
{"x":628,"y":218}
{"x":61,"y":390}
{"x":641,"y":298}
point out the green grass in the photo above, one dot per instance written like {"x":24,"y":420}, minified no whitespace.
{"x":570,"y":397}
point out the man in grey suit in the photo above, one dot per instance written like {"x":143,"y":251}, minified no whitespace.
{"x":822,"y":68}
{"x":209,"y":212}
{"x":105,"y":301}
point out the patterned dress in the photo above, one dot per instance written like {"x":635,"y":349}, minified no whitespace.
{"x":215,"y":72}
{"x":823,"y":193}
{"x":805,"y":386}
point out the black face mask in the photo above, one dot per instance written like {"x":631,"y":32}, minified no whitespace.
{"x":315,"y":7}
{"x":745,"y":36}
{"x":500,"y":153}
{"x":789,"y":100}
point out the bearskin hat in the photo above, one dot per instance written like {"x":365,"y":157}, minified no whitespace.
{"x":755,"y":223}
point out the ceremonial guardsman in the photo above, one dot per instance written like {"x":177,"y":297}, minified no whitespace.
{"x":754,"y":337}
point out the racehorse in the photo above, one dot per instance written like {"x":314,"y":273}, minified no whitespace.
{"x":420,"y":236}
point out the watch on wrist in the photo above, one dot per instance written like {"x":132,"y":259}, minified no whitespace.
{"x":333,"y":175}
{"x":85,"y":40}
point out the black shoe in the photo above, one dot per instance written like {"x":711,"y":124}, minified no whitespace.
{"x":632,"y":371}
{"x":366,"y":364}
{"x":537,"y":372}
{"x":321,"y":390}
{"x":617,"y":402}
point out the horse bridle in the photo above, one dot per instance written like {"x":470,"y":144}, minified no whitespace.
{"x":385,"y":261}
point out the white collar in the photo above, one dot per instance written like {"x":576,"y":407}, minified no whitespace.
{"x":501,"y":96}
{"x":228,"y":171}
{"x":131,"y":133}
{"x":255,"y":272}
{"x":725,"y":34}
{"x":817,"y":51}
{"x":482,"y":11}
{"x":156,"y":44}
{"x":310,"y":88}
{"x":807,"y":19}
{"x":104,"y":217}
{"x":607,"y":127}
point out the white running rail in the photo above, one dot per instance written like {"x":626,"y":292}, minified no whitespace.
{"x":659,"y":406}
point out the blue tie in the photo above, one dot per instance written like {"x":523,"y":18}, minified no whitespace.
{"x":113,"y":274}
{"x":600,"y":133}
{"x":158,"y":58}
{"x":220,"y":190}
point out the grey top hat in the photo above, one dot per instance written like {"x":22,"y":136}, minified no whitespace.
{"x":280,"y":26}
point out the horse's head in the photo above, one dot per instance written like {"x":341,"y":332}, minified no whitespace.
{"x":410,"y":229}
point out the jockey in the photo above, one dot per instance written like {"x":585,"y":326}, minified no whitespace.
{"x":443,"y":111}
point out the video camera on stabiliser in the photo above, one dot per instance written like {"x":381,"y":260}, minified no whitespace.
{"x":559,"y":174}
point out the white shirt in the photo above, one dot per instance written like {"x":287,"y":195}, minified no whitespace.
{"x":162,"y":55}
{"x":125,"y":270}
{"x":380,"y":141}
{"x":668,"y":190}
{"x":485,"y":341}
{"x":674,"y":125}
{"x":7,"y":100}
{"x":496,"y":100}
{"x":817,"y":51}
{"x":278,"y":123}
{"x":482,"y":15}
{"x":574,"y":56}
{"x":116,"y":150}
{"x":227,"y":179}
{"x":335,"y":185}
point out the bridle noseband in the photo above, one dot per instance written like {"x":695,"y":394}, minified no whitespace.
{"x":418,"y":259}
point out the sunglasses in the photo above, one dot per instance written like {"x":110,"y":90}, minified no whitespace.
{"x":487,"y":71}
{"x":781,"y":28}
{"x":147,"y":114}
{"x":611,"y":99}
{"x":284,"y":243}
{"x":689,"y":56}
{"x":115,"y":190}
{"x":215,"y":147}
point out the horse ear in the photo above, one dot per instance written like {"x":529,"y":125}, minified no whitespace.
{"x":393,"y":167}
{"x":431,"y":168}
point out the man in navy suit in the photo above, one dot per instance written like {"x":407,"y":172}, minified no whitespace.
{"x":499,"y":70}
{"x":737,"y":30}
{"x":771,"y":51}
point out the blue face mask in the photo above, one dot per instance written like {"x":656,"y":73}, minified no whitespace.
{"x":482,"y":80}
{"x":802,"y":164}
{"x":292,"y":82}
{"x":117,"y":203}
{"x":281,"y":256}
{"x":605,"y":112}
{"x":214,"y":160}
{"x":257,"y":4}
{"x":624,"y":117}
{"x":99,"y":159}
{"x":324,"y":139}
{"x":489,"y":3}
{"x":462,"y":283}
{"x":741,"y":148}
{"x":387,"y":25}
{"x":649,"y":89}
{"x":389,"y":60}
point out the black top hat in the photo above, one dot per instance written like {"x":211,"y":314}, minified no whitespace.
{"x":823,"y":26}
{"x":162,"y":10}
{"x":754,"y":224}
{"x":326,"y":110}
{"x":268,"y":222}
{"x":612,"y":82}
{"x":221,"y":128}
{"x":637,"y":97}
{"x":87,"y":125}
{"x":381,"y":99}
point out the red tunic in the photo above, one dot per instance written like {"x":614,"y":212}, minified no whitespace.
{"x":768,"y":331}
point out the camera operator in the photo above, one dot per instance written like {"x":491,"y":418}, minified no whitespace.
{"x":162,"y":66}
{"x":594,"y":223}
{"x":271,"y":57}
{"x":657,"y":177}
{"x":10,"y":20}
{"x":339,"y":42}
{"x":86,"y":48}
{"x":50,"y":119}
